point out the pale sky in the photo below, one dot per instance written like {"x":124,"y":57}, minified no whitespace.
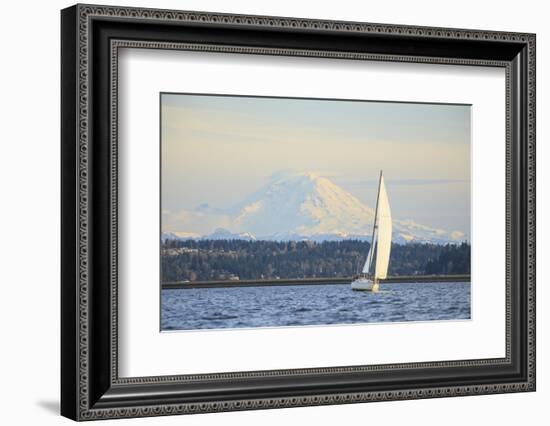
{"x":220,"y":149}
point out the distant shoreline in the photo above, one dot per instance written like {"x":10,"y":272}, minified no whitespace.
{"x":309,"y":281}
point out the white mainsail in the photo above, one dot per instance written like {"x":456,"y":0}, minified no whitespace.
{"x":383,"y":246}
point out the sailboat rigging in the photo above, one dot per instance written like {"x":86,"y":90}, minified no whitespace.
{"x":380,"y":247}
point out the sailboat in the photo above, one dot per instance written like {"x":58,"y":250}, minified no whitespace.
{"x":380,"y":246}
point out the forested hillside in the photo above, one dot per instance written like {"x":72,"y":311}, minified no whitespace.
{"x":204,"y":260}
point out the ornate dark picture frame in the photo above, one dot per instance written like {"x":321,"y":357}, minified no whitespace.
{"x":90,"y":385}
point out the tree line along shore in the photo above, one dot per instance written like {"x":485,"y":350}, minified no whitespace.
{"x":196,"y":261}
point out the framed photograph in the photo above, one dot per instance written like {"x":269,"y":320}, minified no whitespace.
{"x":263,"y":212}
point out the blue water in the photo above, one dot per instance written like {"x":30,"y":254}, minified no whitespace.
{"x":276,"y":306}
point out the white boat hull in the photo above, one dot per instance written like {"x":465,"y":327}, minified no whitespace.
{"x":364,"y":284}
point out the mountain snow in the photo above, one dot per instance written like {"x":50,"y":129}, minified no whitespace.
{"x":305,"y":206}
{"x":224,"y":234}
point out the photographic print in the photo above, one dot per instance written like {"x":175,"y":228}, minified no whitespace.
{"x":280,"y":212}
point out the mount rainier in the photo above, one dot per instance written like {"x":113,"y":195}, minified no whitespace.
{"x":297,"y":206}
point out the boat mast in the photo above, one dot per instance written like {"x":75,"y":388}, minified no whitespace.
{"x":374,"y":226}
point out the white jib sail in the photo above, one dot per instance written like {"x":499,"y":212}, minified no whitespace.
{"x":366,"y":267}
{"x":384,"y":231}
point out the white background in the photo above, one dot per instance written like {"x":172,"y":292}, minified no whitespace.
{"x":29,"y":229}
{"x":146,"y":352}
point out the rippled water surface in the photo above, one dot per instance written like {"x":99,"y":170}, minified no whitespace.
{"x":276,"y":306}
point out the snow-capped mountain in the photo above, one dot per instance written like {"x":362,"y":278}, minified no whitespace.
{"x":303,"y":204}
{"x":179,"y":235}
{"x":298,"y":206}
{"x":224,"y":234}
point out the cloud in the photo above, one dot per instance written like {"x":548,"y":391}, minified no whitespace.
{"x":457,"y":235}
{"x":404,"y":182}
{"x":196,"y":222}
